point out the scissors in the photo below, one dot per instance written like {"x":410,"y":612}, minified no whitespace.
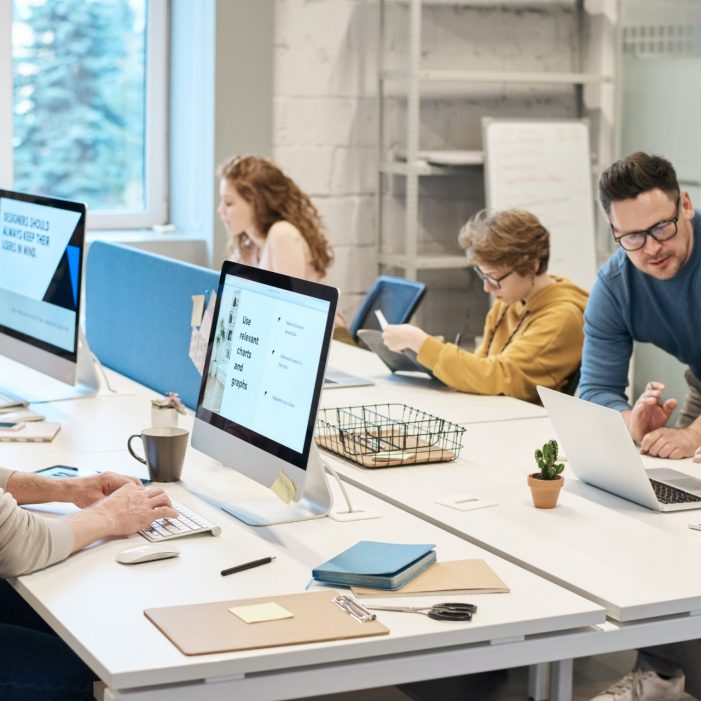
{"x":439,"y":612}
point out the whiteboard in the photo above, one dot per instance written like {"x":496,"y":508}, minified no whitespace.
{"x":544,"y":167}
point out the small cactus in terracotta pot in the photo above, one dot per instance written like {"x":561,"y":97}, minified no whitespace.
{"x":547,"y":482}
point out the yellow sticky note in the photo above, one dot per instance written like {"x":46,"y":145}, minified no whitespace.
{"x":258,"y":613}
{"x":284,"y":487}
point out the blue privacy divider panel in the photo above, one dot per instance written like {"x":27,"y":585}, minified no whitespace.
{"x":137,"y":315}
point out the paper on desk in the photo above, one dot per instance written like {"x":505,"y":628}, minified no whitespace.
{"x":197,"y":310}
{"x":258,"y":613}
{"x":466,"y":502}
{"x":451,"y":577}
{"x":200,"y":334}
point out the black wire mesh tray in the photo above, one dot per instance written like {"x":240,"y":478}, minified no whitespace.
{"x":388,"y":435}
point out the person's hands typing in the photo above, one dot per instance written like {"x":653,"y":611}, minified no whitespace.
{"x":123,"y":512}
{"x":133,"y":507}
{"x":85,"y":491}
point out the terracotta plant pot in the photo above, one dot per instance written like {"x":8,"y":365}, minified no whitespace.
{"x":545,"y":492}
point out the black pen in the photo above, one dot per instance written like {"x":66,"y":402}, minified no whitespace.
{"x":247,"y":566}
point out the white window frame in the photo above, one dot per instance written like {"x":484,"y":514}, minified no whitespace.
{"x":6,"y":162}
{"x":156,"y":137}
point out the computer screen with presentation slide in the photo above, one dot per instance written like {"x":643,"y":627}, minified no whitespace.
{"x":260,"y":390}
{"x":41,"y":257}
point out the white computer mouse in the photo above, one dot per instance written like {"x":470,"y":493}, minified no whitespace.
{"x":146,"y":553}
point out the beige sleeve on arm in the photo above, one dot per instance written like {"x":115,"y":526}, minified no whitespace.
{"x":4,"y":476}
{"x":28,"y":541}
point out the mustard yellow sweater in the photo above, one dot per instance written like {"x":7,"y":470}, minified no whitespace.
{"x":538,"y":342}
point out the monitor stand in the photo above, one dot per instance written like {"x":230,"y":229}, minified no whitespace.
{"x":315,"y":501}
{"x":36,"y":387}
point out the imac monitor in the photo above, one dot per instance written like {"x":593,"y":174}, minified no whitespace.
{"x":41,"y":257}
{"x":260,"y":389}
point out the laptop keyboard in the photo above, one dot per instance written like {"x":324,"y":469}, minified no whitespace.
{"x":671,"y":495}
{"x":188,"y":522}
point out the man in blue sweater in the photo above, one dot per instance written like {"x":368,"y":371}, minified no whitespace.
{"x":648,"y":291}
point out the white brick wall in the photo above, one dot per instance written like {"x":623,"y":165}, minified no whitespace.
{"x":325,"y":48}
{"x":325,"y":124}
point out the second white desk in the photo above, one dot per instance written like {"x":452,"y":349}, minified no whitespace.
{"x":96,"y":605}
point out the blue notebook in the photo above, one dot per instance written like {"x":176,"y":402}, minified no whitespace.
{"x":370,"y":563}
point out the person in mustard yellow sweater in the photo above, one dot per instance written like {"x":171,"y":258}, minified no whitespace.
{"x":533,"y":333}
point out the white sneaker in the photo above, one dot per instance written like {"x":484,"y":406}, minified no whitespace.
{"x":643,"y":685}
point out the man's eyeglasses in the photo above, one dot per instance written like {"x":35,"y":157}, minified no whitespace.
{"x":491,"y":281}
{"x":662,"y":231}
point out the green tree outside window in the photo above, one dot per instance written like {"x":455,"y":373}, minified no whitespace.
{"x":79,"y":100}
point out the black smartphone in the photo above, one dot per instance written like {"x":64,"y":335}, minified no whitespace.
{"x":58,"y":471}
{"x":68,"y":471}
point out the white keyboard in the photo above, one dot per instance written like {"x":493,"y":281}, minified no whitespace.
{"x":188,"y":522}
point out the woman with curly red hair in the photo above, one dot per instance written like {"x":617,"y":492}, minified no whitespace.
{"x":271,"y":223}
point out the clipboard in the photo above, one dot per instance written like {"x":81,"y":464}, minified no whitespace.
{"x":201,"y":629}
{"x":397,"y":362}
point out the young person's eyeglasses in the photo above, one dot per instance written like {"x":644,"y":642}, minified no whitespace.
{"x":490,"y":280}
{"x":662,"y":231}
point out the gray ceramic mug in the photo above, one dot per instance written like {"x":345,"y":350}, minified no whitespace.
{"x":164,"y":448}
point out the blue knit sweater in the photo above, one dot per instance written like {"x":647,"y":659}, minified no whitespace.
{"x":627,"y":305}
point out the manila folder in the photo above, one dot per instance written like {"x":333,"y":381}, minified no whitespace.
{"x":451,"y":577}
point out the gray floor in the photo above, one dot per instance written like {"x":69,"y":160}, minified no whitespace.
{"x":591,"y":675}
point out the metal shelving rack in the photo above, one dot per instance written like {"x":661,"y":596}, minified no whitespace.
{"x":594,"y":89}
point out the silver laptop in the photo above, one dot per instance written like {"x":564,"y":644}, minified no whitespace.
{"x":336,"y":379}
{"x":602,"y":453}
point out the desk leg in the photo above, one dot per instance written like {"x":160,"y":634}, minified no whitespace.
{"x":539,"y":681}
{"x":561,"y":680}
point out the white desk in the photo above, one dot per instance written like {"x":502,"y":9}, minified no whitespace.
{"x":96,"y":605}
{"x":78,"y":418}
{"x":639,"y":564}
{"x":127,"y":410}
{"x":417,"y":390}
